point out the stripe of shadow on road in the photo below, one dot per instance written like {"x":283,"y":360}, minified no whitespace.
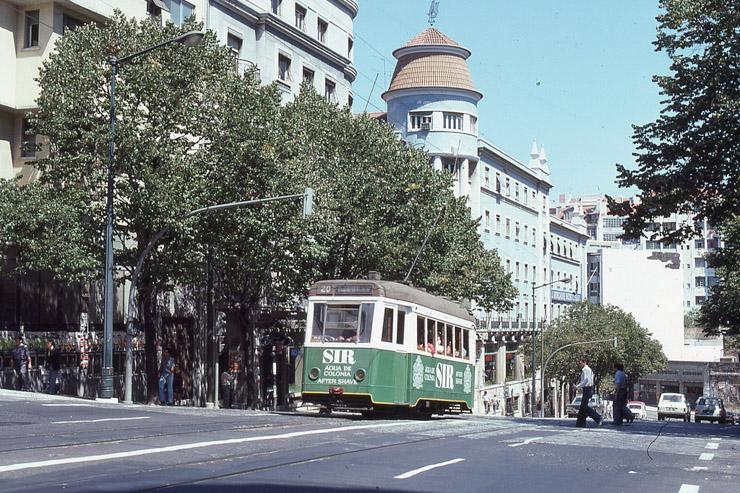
{"x":187,"y":446}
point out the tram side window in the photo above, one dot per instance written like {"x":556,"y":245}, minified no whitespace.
{"x":458,"y":339}
{"x":441,"y":338}
{"x":465,"y":344}
{"x":420,"y":342}
{"x":387,"y":335}
{"x":400,"y":327}
{"x":431,"y":336}
{"x":450,"y":340}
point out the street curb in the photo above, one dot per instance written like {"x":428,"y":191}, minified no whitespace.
{"x":38,"y":396}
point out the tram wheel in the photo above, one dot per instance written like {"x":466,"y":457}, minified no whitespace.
{"x":325,"y":411}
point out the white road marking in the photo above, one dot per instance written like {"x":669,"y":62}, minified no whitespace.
{"x":706,"y":457}
{"x":66,"y":405}
{"x":712,"y":445}
{"x":409,"y":474}
{"x":689,"y":488}
{"x":99,"y":420}
{"x":525,"y":442}
{"x":699,"y":468}
{"x":186,"y":446}
{"x":716,"y":439}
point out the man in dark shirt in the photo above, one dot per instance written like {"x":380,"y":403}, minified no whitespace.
{"x":21,"y":364}
{"x":53,"y":362}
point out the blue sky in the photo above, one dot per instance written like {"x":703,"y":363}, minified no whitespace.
{"x":574,"y":74}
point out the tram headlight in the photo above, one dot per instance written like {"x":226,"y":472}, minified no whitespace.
{"x":360,"y":375}
{"x":314,"y":373}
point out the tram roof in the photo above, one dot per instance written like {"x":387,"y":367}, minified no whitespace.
{"x":392,"y":290}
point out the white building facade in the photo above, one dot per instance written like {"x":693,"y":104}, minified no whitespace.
{"x":288,"y":41}
{"x":432,"y":103}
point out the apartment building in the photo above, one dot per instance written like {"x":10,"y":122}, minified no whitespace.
{"x":287,"y":41}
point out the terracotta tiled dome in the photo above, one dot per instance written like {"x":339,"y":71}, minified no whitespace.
{"x":431,"y":36}
{"x":431,"y":60}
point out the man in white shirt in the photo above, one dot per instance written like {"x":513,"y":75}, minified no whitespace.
{"x":586,"y":384}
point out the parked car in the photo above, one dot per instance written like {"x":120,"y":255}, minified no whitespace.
{"x":733,"y":418}
{"x":710,"y":409}
{"x":638,"y":408}
{"x":673,"y":406}
{"x":596,"y":403}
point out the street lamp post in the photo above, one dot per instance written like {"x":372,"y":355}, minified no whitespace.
{"x":191,"y":38}
{"x":534,"y":342}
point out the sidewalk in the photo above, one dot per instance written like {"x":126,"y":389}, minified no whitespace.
{"x":38,"y":396}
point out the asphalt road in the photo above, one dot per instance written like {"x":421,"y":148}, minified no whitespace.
{"x":82,"y":446}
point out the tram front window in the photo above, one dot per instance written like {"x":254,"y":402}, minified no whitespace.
{"x":342,"y":323}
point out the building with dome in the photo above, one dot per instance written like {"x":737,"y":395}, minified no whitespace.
{"x":432,"y":103}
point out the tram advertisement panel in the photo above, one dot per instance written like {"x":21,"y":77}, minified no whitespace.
{"x":388,"y":377}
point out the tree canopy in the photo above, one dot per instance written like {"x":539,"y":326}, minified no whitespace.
{"x":688,"y":158}
{"x":636,"y":349}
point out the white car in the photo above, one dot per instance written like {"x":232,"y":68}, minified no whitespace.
{"x":638,"y":409}
{"x":673,"y":406}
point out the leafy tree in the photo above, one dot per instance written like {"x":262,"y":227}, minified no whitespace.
{"x":377,"y":199}
{"x":639,"y":353}
{"x":688,"y":158}
{"x":162,"y":115}
{"x":721,"y":312}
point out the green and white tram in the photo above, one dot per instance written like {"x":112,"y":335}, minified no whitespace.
{"x":376,"y":345}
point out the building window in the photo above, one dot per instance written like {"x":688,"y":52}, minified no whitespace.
{"x":508,"y":266}
{"x":534,"y":274}
{"x":330,"y":91}
{"x":508,"y":227}
{"x":28,"y":141}
{"x":487,"y":222}
{"x":526,"y":272}
{"x":321,"y":27}
{"x":534,"y":198}
{"x":700,"y":300}
{"x":516,"y":191}
{"x":526,"y":193}
{"x":234,"y":43}
{"x":473,"y":124}
{"x":452,"y":121}
{"x":284,"y":68}
{"x":526,"y":234}
{"x":700,"y":262}
{"x":70,"y":23}
{"x":498,"y":182}
{"x":308,"y":76}
{"x":516,"y":271}
{"x":534,"y":236}
{"x":277,"y":7}
{"x":700,"y":282}
{"x":420,"y":121}
{"x":154,"y":7}
{"x":652,"y":245}
{"x":350,"y":47}
{"x":516,"y":230}
{"x":300,"y":17}
{"x":180,"y":10}
{"x":712,"y":243}
{"x":498,"y":224}
{"x":487,"y":176}
{"x":350,"y":100}
{"x":508,"y":187}
{"x":610,"y":237}
{"x":32,"y":29}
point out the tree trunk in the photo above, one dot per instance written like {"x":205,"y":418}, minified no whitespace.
{"x":149,"y":309}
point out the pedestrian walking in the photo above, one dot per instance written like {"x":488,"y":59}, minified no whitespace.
{"x":586,"y":384}
{"x":21,"y":364}
{"x":486,"y":402}
{"x":621,"y":411}
{"x":228,"y":385}
{"x":53,"y":365}
{"x":166,"y":377}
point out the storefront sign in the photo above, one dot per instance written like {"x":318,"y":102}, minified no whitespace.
{"x":565,"y":296}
